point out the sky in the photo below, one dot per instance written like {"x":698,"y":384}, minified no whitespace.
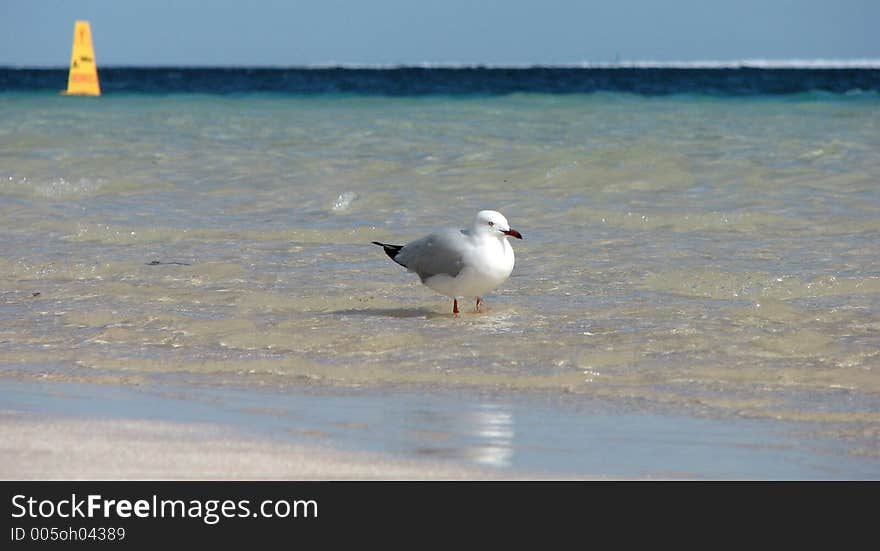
{"x":39,"y":33}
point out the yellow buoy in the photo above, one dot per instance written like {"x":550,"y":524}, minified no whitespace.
{"x":83,"y":77}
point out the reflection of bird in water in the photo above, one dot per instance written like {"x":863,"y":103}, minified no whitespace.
{"x":493,"y":424}
{"x":482,"y":434}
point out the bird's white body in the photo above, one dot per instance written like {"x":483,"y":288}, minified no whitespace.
{"x":488,"y":262}
{"x":461,"y":263}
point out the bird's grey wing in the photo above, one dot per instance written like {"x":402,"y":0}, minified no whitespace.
{"x":439,"y":253}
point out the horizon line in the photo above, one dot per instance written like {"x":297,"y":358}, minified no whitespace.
{"x":793,"y":63}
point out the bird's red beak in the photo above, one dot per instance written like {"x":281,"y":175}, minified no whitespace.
{"x":513,"y":233}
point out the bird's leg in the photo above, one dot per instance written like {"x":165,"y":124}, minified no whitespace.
{"x":455,"y":306}
{"x":479,"y":304}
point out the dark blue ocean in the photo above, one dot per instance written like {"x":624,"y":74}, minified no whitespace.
{"x":415,"y":81}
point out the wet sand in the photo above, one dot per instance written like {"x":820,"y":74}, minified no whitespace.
{"x":167,"y":430}
{"x":58,"y":448}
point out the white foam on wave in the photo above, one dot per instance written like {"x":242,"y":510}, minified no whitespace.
{"x":821,"y":63}
{"x":344,"y":200}
{"x":748,"y":63}
{"x":51,"y":188}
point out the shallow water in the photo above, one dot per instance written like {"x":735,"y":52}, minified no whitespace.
{"x":522,"y":435}
{"x":710,"y":254}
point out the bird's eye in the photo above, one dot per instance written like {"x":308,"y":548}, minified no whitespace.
{"x":491,"y":223}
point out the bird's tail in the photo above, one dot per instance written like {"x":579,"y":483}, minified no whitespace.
{"x":390,"y":250}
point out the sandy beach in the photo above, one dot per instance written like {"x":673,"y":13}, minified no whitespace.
{"x":59,"y":431}
{"x":90,"y":449}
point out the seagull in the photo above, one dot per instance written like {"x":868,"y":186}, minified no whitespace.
{"x":461,"y":263}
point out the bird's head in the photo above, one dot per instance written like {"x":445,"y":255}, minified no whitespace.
{"x":490,"y":222}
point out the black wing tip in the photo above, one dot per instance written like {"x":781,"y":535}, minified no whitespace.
{"x":390,"y":250}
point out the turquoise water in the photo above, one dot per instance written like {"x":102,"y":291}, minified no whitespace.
{"x":716,"y":255}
